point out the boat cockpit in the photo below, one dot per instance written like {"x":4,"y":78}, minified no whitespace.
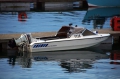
{"x":69,"y":31}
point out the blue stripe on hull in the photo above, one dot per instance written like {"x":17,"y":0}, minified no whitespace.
{"x":109,"y":3}
{"x":40,"y":45}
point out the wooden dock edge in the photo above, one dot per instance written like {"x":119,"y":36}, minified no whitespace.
{"x":17,"y":35}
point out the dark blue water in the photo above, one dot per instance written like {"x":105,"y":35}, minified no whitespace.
{"x":52,"y":21}
{"x":39,"y":21}
{"x":88,"y":63}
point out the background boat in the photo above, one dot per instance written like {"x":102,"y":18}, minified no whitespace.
{"x":99,"y":15}
{"x":103,"y":3}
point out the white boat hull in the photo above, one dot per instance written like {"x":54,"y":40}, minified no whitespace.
{"x":66,"y":44}
{"x":67,"y":37}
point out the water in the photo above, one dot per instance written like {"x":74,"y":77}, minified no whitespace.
{"x":52,"y":21}
{"x":39,"y":21}
{"x":88,"y":63}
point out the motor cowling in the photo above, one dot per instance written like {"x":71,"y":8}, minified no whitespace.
{"x":24,"y":38}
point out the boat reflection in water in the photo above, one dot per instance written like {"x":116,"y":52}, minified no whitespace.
{"x":100,"y":15}
{"x":25,"y":59}
{"x":89,"y":63}
{"x":12,"y":55}
{"x":70,"y":60}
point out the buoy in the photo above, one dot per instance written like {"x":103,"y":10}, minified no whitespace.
{"x":22,"y":16}
{"x":115,"y":23}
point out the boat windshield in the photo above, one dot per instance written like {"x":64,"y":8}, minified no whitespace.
{"x":87,"y":32}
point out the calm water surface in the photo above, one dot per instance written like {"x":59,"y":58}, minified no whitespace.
{"x":52,"y":21}
{"x":89,"y":63}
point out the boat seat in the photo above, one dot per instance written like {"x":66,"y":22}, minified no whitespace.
{"x":62,"y":35}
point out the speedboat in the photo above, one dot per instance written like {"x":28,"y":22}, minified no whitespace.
{"x":67,"y":38}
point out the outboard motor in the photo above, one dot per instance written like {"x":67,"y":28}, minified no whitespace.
{"x":24,"y":38}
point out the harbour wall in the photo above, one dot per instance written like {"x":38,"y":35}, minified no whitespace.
{"x":15,"y":6}
{"x":37,"y":5}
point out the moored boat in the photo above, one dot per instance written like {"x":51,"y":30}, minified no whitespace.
{"x":67,"y":38}
{"x":105,"y":3}
{"x":99,"y":16}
